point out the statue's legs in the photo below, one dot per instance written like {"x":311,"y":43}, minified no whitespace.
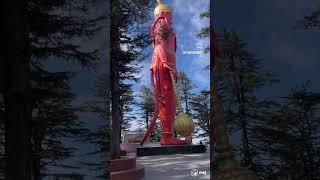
{"x":167,"y":112}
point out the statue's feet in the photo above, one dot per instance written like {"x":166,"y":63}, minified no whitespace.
{"x":169,"y":139}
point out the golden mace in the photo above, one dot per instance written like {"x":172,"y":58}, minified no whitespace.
{"x":183,"y":124}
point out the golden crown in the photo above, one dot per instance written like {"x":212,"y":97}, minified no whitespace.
{"x":161,"y":8}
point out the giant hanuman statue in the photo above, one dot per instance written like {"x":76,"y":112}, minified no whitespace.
{"x":163,"y":75}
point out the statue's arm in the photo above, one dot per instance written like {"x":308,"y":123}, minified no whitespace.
{"x":163,"y":56}
{"x":163,"y":31}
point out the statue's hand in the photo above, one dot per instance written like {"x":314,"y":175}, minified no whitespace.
{"x":168,"y":67}
{"x":174,"y":71}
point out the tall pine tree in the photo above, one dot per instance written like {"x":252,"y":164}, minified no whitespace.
{"x":200,"y":105}
{"x":46,"y":29}
{"x":185,"y":86}
{"x":240,"y":78}
{"x":54,"y":120}
{"x":146,"y":106}
{"x":130,"y":35}
{"x":100,"y":136}
{"x":289,"y":136}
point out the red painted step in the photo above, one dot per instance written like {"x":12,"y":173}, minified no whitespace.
{"x":132,"y":174}
{"x":125,"y":163}
{"x":125,"y":169}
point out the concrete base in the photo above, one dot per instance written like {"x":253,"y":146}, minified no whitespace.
{"x":176,"y":166}
{"x":155,"y":150}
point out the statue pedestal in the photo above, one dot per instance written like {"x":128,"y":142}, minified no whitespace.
{"x":157,"y":149}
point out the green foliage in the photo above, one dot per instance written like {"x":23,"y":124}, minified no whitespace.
{"x":54,"y":31}
{"x":54,"y":118}
{"x":54,"y":27}
{"x":289,"y":135}
{"x":146,"y":106}
{"x":185,"y":87}
{"x":100,"y":105}
{"x":200,"y":105}
{"x":126,"y":102}
{"x":241,"y":76}
{"x":311,"y":21}
{"x":100,"y":136}
{"x":130,"y":35}
{"x":205,"y":32}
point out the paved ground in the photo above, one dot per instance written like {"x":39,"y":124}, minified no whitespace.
{"x":176,"y":167}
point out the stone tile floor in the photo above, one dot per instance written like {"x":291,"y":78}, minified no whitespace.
{"x":176,"y":167}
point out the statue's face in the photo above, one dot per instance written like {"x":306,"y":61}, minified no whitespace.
{"x":168,"y":16}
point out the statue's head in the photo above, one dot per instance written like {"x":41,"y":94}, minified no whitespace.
{"x":164,"y":9}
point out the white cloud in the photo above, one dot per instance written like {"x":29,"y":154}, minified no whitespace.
{"x":189,"y":11}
